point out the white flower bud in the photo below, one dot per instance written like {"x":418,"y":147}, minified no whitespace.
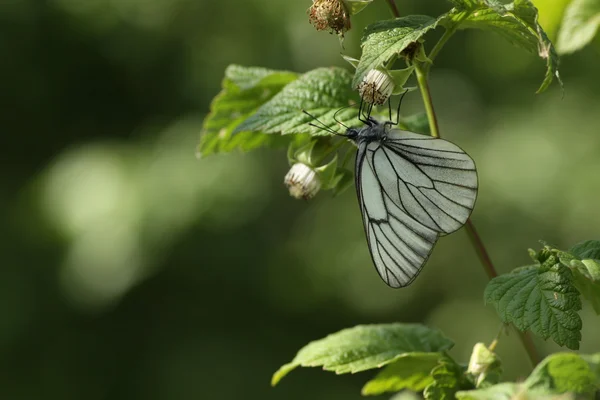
{"x":302,"y":181}
{"x":376,"y":87}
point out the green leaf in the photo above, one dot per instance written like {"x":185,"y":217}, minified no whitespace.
{"x":418,"y":123}
{"x":448,"y":378}
{"x":579,"y":26}
{"x":566,"y":372}
{"x":366,"y":347}
{"x":510,"y":391}
{"x":586,"y":270}
{"x":321,"y":92}
{"x":244,"y":90}
{"x":502,"y":391}
{"x":587,"y":249}
{"x":590,"y":289}
{"x":517,"y":22}
{"x":411,"y":371}
{"x":384,"y":40}
{"x":544,"y":301}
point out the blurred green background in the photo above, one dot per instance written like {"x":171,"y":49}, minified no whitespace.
{"x":131,"y":270}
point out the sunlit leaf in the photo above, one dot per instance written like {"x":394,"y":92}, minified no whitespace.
{"x":587,"y":249}
{"x":579,"y":25}
{"x":517,"y":22}
{"x":366,"y":347}
{"x":566,"y":372}
{"x":411,"y":371}
{"x":244,"y":90}
{"x":544,"y":301}
{"x":385,"y":39}
{"x":321,"y":92}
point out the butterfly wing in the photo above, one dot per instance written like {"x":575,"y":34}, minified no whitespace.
{"x":399,"y":244}
{"x":411,"y":188}
{"x":434,"y":178}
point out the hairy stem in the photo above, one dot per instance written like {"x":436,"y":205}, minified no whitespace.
{"x":392,"y":5}
{"x":476,"y":241}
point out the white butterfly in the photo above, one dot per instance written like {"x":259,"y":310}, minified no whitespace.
{"x":411,"y":189}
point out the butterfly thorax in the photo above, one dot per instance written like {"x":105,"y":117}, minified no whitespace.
{"x":374,"y":130}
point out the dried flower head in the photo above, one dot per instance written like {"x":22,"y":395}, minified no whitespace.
{"x":376,"y":87}
{"x":329,"y":15}
{"x":302,"y":181}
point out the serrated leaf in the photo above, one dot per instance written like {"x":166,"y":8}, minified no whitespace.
{"x":448,"y":378}
{"x":587,"y":249}
{"x":517,"y":22}
{"x":543,"y":301}
{"x":321,"y":92}
{"x":411,"y":371}
{"x":565,"y":372}
{"x":244,"y":90}
{"x":579,"y":25}
{"x":386,"y":39}
{"x":366,"y":347}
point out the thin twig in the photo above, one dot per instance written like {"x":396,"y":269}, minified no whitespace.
{"x":476,"y":241}
{"x":393,"y":7}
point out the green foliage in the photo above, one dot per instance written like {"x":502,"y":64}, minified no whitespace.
{"x":543,"y":300}
{"x":384,"y":40}
{"x":579,"y":25}
{"x":566,"y":372}
{"x":587,"y":249}
{"x":416,"y":123}
{"x":517,"y":22}
{"x":321,"y":92}
{"x":557,"y":375}
{"x":366,"y":347}
{"x":262,"y":107}
{"x":411,"y":371}
{"x":245,"y":89}
{"x":585,"y":263}
{"x":484,"y":366}
{"x":448,"y":378}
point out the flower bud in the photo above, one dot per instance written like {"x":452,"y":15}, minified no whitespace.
{"x":302,"y":181}
{"x":329,"y":15}
{"x":376,"y":87}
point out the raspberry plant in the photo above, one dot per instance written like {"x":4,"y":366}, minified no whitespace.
{"x":259,"y":107}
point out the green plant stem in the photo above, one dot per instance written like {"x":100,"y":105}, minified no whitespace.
{"x":476,"y":241}
{"x":392,"y":5}
{"x":447,"y":35}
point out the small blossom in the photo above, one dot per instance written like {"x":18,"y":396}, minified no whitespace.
{"x":302,"y":181}
{"x":329,"y":15}
{"x":376,"y":87}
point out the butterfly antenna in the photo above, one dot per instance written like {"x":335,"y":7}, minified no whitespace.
{"x":323,"y":126}
{"x":398,"y":111}
{"x":336,"y":113}
{"x":361,"y":109}
{"x":390,"y":107}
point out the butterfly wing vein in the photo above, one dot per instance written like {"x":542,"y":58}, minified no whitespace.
{"x":411,"y":189}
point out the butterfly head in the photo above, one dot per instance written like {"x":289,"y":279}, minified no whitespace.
{"x":373,"y":130}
